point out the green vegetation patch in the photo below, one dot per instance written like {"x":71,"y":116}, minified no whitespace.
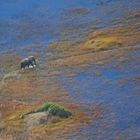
{"x":55,"y":110}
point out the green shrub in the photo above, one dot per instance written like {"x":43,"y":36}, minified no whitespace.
{"x":55,"y":110}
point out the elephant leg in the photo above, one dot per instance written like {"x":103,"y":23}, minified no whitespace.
{"x":34,"y":61}
{"x":31,"y":65}
{"x":28,"y":65}
{"x":22,"y":65}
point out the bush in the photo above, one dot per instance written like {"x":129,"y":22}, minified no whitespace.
{"x":55,"y":110}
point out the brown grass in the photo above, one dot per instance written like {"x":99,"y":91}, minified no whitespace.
{"x":120,"y":36}
{"x":15,"y":123}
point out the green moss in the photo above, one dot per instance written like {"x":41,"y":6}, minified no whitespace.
{"x":55,"y":110}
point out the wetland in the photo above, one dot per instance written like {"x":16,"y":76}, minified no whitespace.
{"x":86,"y":85}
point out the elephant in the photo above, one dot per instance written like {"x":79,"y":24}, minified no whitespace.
{"x":26,"y":63}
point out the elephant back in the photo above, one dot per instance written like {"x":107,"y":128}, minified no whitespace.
{"x":24,"y":60}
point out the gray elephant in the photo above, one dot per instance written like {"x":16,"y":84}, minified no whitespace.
{"x":28,"y":62}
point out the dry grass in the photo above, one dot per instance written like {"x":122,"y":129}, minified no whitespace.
{"x":120,"y":36}
{"x":15,"y":124}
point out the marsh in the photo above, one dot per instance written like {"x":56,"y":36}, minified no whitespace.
{"x":88,"y":52}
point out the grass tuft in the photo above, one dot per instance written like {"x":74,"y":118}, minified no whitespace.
{"x":55,"y":110}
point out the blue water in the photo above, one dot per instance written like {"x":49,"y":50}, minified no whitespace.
{"x":117,"y":90}
{"x":25,"y":23}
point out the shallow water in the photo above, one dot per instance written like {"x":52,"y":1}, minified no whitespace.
{"x":119,"y":100}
